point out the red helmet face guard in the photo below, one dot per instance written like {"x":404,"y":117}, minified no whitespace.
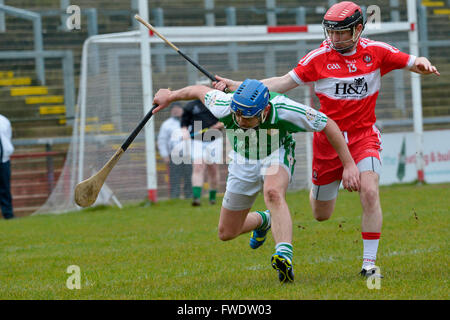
{"x":343,"y":17}
{"x":343,"y":45}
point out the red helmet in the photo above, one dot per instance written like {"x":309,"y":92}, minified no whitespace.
{"x":343,"y":16}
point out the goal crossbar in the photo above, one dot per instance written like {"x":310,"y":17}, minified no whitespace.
{"x":261,"y":33}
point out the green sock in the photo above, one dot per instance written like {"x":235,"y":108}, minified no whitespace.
{"x":265,"y":217}
{"x":197,"y":192}
{"x":285,"y":249}
{"x":212,"y":195}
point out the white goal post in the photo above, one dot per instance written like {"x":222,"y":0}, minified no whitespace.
{"x":118,"y":76}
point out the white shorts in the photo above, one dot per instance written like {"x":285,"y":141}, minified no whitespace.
{"x":236,"y":202}
{"x":208,"y":152}
{"x":330,"y":191}
{"x":246,"y":177}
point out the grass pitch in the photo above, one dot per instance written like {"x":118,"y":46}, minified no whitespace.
{"x":171,"y":251}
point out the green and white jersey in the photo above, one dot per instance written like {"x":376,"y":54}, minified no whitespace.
{"x":286,"y":117}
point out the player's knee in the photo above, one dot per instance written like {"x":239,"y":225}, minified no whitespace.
{"x":198,"y":168}
{"x":321,"y":210}
{"x":273,"y":196}
{"x":369,"y":196}
{"x":322,"y":215}
{"x":225,"y":234}
{"x":319,"y":216}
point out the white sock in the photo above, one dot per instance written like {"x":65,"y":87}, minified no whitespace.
{"x":285,"y":248}
{"x":370,"y":242}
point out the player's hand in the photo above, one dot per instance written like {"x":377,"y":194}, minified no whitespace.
{"x":225,"y":83}
{"x":423,"y":66}
{"x":350,"y":178}
{"x":185,"y":134}
{"x":218,"y":125}
{"x":162,"y":99}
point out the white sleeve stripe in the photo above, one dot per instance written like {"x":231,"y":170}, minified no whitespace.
{"x":312,"y":55}
{"x":383,"y":45}
{"x":295,"y":77}
{"x":411,"y":60}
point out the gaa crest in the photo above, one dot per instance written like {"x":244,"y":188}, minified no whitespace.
{"x":367,"y":58}
{"x":311,"y":114}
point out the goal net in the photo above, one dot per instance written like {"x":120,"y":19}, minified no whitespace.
{"x":110,"y":102}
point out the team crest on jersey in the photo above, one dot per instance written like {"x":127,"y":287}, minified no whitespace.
{"x":291,"y":160}
{"x":311,"y":114}
{"x":213,"y":100}
{"x":367,"y":58}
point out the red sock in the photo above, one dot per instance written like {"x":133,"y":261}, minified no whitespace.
{"x":371,"y":235}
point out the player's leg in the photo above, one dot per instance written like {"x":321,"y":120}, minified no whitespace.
{"x":372,"y":217}
{"x":235,"y":219}
{"x":365,"y":151}
{"x":322,"y":199}
{"x":242,"y":189}
{"x":276,"y":181}
{"x":198,"y":172}
{"x":175,"y":175}
{"x":275,"y":186}
{"x":214,"y":157}
{"x":326,"y":177}
{"x":5,"y":190}
{"x":186,"y":171}
{"x":213,"y":172}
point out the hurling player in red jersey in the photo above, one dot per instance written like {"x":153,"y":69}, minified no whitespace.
{"x":346,"y":70}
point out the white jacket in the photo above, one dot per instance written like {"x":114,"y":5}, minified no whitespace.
{"x":5,"y":138}
{"x":169,"y":135}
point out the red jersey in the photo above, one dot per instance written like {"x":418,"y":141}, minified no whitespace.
{"x":347,"y":85}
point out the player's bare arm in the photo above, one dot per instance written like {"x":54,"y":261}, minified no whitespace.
{"x":164,"y":97}
{"x":350,"y":176}
{"x":280,"y":84}
{"x":423,"y":66}
{"x":275,"y":84}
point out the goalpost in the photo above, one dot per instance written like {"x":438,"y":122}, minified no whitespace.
{"x":119,"y":73}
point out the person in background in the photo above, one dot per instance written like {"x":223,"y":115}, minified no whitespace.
{"x":206,"y":150}
{"x":6,"y":149}
{"x":168,"y":137}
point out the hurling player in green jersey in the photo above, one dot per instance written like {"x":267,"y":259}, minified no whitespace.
{"x":259,"y":125}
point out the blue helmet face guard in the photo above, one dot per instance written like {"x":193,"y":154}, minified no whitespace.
{"x":249,"y":100}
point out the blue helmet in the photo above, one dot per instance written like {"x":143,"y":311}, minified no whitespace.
{"x":250,"y":98}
